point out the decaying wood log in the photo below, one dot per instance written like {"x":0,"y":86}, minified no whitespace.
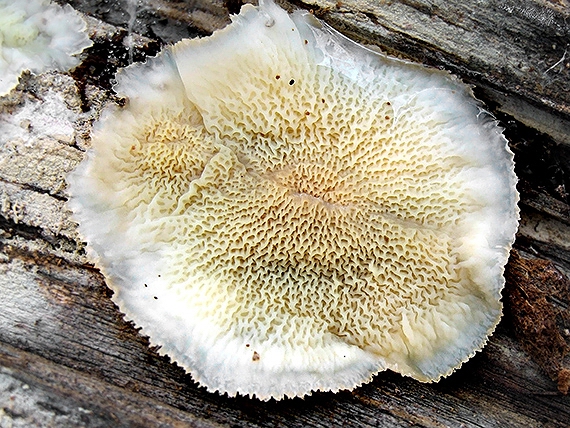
{"x":67,"y":357}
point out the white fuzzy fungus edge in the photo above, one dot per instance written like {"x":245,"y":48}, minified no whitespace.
{"x":38,"y":35}
{"x":285,"y":211}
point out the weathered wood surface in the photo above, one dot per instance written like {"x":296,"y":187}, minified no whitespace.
{"x":67,"y":358}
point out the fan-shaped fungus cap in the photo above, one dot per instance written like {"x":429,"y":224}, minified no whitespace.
{"x":284,"y":211}
{"x":37,"y":35}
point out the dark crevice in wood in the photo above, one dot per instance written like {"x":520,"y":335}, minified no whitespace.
{"x":40,"y":190}
{"x":9,"y":229}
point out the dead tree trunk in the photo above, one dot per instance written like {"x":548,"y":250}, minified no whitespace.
{"x":67,"y":357}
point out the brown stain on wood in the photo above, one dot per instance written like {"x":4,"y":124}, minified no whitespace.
{"x":538,"y":295}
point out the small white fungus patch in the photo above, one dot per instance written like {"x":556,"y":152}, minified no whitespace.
{"x":51,"y":118}
{"x":37,"y":35}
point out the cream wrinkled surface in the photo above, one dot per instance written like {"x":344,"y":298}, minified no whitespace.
{"x":285,"y":211}
{"x":38,"y":35}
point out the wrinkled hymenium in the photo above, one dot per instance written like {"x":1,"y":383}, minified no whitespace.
{"x":37,"y":35}
{"x":284,"y":211}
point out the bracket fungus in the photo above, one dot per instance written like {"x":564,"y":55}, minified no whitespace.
{"x":285,"y":211}
{"x":38,"y":35}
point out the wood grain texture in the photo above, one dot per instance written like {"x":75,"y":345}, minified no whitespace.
{"x":67,"y":357}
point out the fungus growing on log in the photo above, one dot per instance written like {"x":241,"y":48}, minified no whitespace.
{"x":285,"y":211}
{"x":37,"y":35}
